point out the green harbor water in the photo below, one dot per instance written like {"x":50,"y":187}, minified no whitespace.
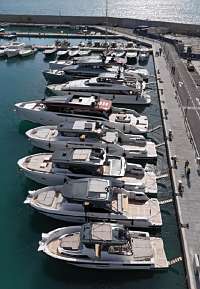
{"x":22,"y":267}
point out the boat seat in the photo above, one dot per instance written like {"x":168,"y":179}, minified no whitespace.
{"x":70,"y":242}
{"x":122,"y":118}
{"x":46,"y":198}
{"x":58,"y":201}
{"x":125,"y":202}
{"x":43,"y":165}
{"x":142,"y":248}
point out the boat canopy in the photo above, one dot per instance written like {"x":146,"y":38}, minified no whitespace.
{"x":79,"y":126}
{"x":104,"y":233}
{"x":76,"y":102}
{"x":86,"y":154}
{"x":89,"y":190}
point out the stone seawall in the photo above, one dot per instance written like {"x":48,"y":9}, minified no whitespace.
{"x":190,"y":29}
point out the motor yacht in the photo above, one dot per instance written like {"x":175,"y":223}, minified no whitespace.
{"x":143,"y":55}
{"x":133,"y":71}
{"x":50,"y":52}
{"x":2,"y":52}
{"x":27,"y":52}
{"x":77,"y":71}
{"x":82,"y":132}
{"x":74,"y":51}
{"x":105,"y":246}
{"x":62,"y":54}
{"x":87,"y":60}
{"x":78,"y":162}
{"x":131,"y":56}
{"x":84,"y":52}
{"x":54,"y":110}
{"x":118,"y":52}
{"x":118,"y":90}
{"x":13,"y":48}
{"x":92,"y":200}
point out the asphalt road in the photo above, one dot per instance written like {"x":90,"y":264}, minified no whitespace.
{"x":188,"y":91}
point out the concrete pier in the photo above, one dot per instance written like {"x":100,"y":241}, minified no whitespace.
{"x":181,"y":145}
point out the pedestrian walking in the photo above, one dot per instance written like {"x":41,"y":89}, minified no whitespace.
{"x":188,"y":172}
{"x":186,"y":164}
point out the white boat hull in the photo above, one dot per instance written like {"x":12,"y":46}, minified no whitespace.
{"x":111,"y":266}
{"x":52,"y":118}
{"x":11,"y":52}
{"x":110,"y":263}
{"x":50,"y":145}
{"x":75,"y":217}
{"x":53,"y":179}
{"x":123,"y":99}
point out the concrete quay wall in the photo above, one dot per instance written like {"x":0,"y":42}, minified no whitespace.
{"x":173,"y":27}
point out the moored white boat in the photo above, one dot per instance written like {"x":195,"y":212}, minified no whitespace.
{"x":61,"y":54}
{"x":92,"y":200}
{"x":13,"y":48}
{"x":131,"y":56}
{"x":105,"y":246}
{"x":27,"y":52}
{"x":81,"y":132}
{"x":2,"y":52}
{"x":50,"y":52}
{"x":60,"y":64}
{"x":118,"y":90}
{"x":74,"y":51}
{"x":79,"y":162}
{"x":143,"y":55}
{"x":76,"y":71}
{"x":132,"y":71}
{"x":55,"y":110}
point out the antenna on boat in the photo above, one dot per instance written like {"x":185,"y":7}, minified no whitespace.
{"x":106,"y":17}
{"x":106,"y":37}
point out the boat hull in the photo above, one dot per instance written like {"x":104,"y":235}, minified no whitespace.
{"x":80,"y":218}
{"x":53,"y":179}
{"x":123,"y":99}
{"x":51,"y":145}
{"x":52,"y":118}
{"x":11,"y":53}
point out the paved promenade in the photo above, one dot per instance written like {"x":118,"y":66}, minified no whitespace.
{"x":173,"y":102}
{"x":188,"y":205}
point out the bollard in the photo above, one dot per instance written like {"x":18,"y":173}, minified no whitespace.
{"x":174,"y":159}
{"x":170,"y":135}
{"x":198,"y":165}
{"x":161,"y":90}
{"x":165,"y":112}
{"x":82,"y":137}
{"x":180,"y":188}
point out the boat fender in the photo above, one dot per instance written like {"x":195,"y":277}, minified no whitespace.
{"x":124,"y":154}
{"x":107,"y":188}
{"x":49,"y":145}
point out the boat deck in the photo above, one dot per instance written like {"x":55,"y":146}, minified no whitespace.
{"x":149,"y":210}
{"x":39,"y":163}
{"x":146,"y":183}
{"x":159,"y":253}
{"x":53,"y":246}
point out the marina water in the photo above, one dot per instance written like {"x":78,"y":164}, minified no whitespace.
{"x":22,"y":267}
{"x":185,"y":11}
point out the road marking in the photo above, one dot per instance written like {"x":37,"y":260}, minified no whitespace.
{"x":198,"y":101}
{"x":188,"y":91}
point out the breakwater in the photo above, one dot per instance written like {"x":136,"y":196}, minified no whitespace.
{"x":182,"y":28}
